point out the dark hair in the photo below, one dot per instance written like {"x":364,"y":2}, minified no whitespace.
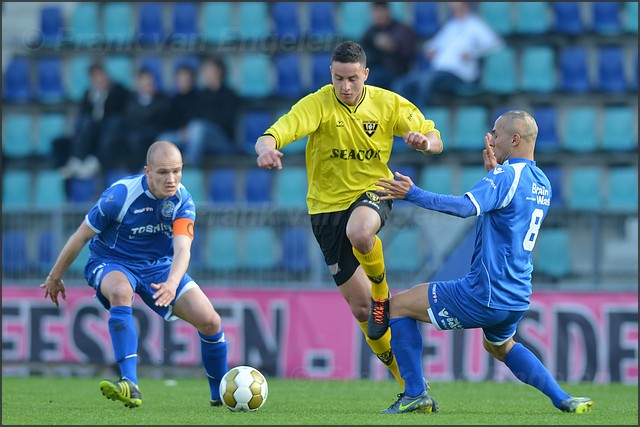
{"x":349,"y":52}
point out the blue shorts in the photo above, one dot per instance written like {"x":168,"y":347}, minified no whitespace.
{"x":141,"y":274}
{"x":452,"y":307}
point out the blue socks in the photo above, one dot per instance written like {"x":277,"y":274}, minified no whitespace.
{"x":213,"y":349}
{"x":406,"y":342}
{"x":124,"y":338}
{"x":528,"y":368}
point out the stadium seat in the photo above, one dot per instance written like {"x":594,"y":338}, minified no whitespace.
{"x":222,"y":186}
{"x":499,"y":70}
{"x":117,"y":22}
{"x":532,"y":17}
{"x":193,"y":180}
{"x":574,"y":72}
{"x":538,"y":69}
{"x":17,"y":135}
{"x":15,"y":253}
{"x":436,"y":178}
{"x":579,"y":130}
{"x":49,"y":77}
{"x":50,"y":127}
{"x":150,"y":28}
{"x":469,"y":177}
{"x":77,"y":78}
{"x":185,"y":21}
{"x":556,"y":179}
{"x":622,"y":189}
{"x":354,"y":19}
{"x":400,"y":11}
{"x":255,"y":77}
{"x":254,"y":124}
{"x":426,"y":21}
{"x":113,"y":175}
{"x":634,"y":74}
{"x":84,"y":29}
{"x":320,"y":74}
{"x":286,"y":22}
{"x":441,"y":117}
{"x":16,"y":83}
{"x":471,"y":123}
{"x":290,"y":187}
{"x":322,"y":19}
{"x":223,"y":249}
{"x":400,"y":251}
{"x":552,"y":253}
{"x":606,"y":18}
{"x":47,"y":250}
{"x":257,"y":186}
{"x":261,"y":250}
{"x":155,"y":65}
{"x":611,"y":73}
{"x":16,"y":189}
{"x":83,"y":191}
{"x":289,"y":75}
{"x":52,"y":25}
{"x":120,"y":69}
{"x":547,"y":119}
{"x":254,"y":20}
{"x":584,"y":190}
{"x":217,"y":22}
{"x":295,"y":249}
{"x":78,"y":265}
{"x":567,"y":18}
{"x":49,"y":189}
{"x":630,"y":22}
{"x":619,"y":134}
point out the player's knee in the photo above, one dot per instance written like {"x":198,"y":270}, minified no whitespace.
{"x":118,"y":294}
{"x":360,"y":238}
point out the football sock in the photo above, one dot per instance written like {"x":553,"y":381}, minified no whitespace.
{"x":528,"y":368}
{"x":382,"y":349}
{"x":406,"y":341}
{"x":124,"y":338}
{"x":373,"y":266}
{"x":213,"y":349}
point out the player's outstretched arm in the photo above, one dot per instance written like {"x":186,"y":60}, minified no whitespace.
{"x":395,"y":189}
{"x":53,"y":284}
{"x":268,"y":156}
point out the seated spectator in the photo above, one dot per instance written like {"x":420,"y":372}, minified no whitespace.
{"x":453,"y":54}
{"x":390,"y":47}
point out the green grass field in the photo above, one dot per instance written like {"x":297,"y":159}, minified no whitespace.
{"x":69,"y":401}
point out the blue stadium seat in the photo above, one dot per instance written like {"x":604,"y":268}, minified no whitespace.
{"x":16,"y":83}
{"x":556,"y":179}
{"x":498,"y":15}
{"x":400,"y":11}
{"x":499,"y":71}
{"x":150,"y":28}
{"x":50,"y":127}
{"x":567,"y":18}
{"x":84,"y":28}
{"x":320,"y":74}
{"x":155,"y":65}
{"x":185,"y":21}
{"x":469,"y":177}
{"x":322,"y":19}
{"x":289,"y":75}
{"x":120,"y":69}
{"x":532,"y":17}
{"x":254,"y":124}
{"x":611,"y":73}
{"x":77,"y":78}
{"x":222,"y":186}
{"x":255,"y":76}
{"x":400,"y":250}
{"x":547,"y":119}
{"x":574,"y":74}
{"x":83,"y":191}
{"x":16,"y":189}
{"x":258,"y":186}
{"x":634,"y":74}
{"x":436,"y":178}
{"x":579,"y":130}
{"x":290,"y":187}
{"x":50,"y":85}
{"x":15,"y":253}
{"x":47,"y":250}
{"x":584,"y":190}
{"x":223,"y":249}
{"x":354,"y":18}
{"x":261,"y":250}
{"x":78,"y":265}
{"x":193,"y":180}
{"x":113,"y":175}
{"x":620,"y":133}
{"x":17,"y":135}
{"x":295,"y":249}
{"x":117,"y":22}
{"x":622,"y":189}
{"x":552,"y":253}
{"x":254,"y":20}
{"x":217,"y":22}
{"x":630,"y":22}
{"x":52,"y":25}
{"x":606,"y":18}
{"x":471,"y":123}
{"x":538,"y":69}
{"x":286,"y":23}
{"x":426,"y":21}
{"x":49,"y":189}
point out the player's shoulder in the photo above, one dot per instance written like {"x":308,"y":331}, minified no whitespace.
{"x":125,"y":186}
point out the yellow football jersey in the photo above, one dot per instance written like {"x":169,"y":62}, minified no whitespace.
{"x":348,"y":147}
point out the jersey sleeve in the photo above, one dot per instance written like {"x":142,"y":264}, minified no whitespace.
{"x":107,"y":210}
{"x":494,"y":191}
{"x":410,"y":118}
{"x":187,"y":208}
{"x":303,"y":118}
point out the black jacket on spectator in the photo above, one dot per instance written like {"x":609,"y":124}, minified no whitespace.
{"x":183,"y":108}
{"x":115,"y":103}
{"x":220,"y":107}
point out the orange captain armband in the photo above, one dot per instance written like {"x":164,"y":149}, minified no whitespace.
{"x":183,"y":226}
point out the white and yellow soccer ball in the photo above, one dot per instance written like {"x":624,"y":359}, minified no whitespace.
{"x":243,"y":389}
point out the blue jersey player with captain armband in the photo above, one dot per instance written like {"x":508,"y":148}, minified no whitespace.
{"x":510,"y":203}
{"x":140,"y":233}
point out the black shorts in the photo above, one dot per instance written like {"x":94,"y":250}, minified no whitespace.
{"x":330,"y":230}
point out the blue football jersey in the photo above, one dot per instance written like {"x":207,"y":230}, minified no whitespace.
{"x":133,"y":225}
{"x":512,"y":200}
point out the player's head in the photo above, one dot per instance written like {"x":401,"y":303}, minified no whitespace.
{"x":163,"y":169}
{"x":514,"y":135}
{"x":349,"y":71}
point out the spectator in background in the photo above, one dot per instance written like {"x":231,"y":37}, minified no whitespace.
{"x":390,"y":47}
{"x":99,"y":120}
{"x":453,"y":54}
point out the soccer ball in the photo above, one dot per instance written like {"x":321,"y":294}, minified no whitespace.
{"x":243,"y":389}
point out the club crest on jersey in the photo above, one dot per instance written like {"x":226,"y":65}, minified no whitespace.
{"x":167,"y":209}
{"x":370,"y":127}
{"x":373,"y":196}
